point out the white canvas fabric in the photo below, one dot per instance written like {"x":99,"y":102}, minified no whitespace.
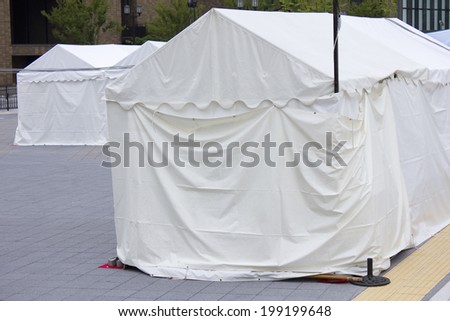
{"x":422,"y":115}
{"x":228,"y":40}
{"x":234,"y":77}
{"x":145,"y":50}
{"x":60,"y":95}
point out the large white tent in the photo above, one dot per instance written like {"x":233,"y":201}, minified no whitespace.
{"x":60,"y":95}
{"x":233,"y":159}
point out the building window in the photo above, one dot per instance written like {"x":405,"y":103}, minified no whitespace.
{"x":28,"y":25}
{"x":426,"y":15}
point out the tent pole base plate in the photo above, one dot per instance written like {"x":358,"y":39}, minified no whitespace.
{"x":370,"y":279}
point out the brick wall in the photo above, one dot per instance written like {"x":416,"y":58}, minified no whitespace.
{"x":114,"y":14}
{"x":5,"y":43}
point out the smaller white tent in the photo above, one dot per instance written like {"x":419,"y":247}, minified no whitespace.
{"x":442,"y":36}
{"x":60,"y":95}
{"x":143,"y":52}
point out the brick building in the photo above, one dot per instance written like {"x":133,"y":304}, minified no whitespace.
{"x":25,"y":33}
{"x":425,"y":15}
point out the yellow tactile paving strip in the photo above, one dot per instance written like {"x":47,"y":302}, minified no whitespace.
{"x":416,"y":275}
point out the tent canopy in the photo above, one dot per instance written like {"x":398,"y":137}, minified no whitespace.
{"x":81,"y":56}
{"x":60,"y":95}
{"x":144,"y":51}
{"x":280,"y":46}
{"x":246,"y":79}
{"x":75,"y":62}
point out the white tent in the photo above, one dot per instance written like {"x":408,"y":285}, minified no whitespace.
{"x":442,"y":36}
{"x":233,"y":159}
{"x":145,"y":50}
{"x":60,"y":94}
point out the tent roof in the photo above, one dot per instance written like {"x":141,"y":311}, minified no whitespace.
{"x":145,"y":50}
{"x":82,"y":56}
{"x":251,"y":56}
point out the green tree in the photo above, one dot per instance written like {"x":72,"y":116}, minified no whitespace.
{"x":174,"y":16}
{"x":373,"y":8}
{"x":80,"y":21}
{"x":171,"y":17}
{"x":306,"y":5}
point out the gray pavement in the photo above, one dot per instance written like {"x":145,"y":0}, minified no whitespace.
{"x":56,"y":229}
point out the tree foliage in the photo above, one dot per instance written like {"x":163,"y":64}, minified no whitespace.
{"x":171,"y":17}
{"x":373,"y":8}
{"x":306,"y":5}
{"x":80,"y":21}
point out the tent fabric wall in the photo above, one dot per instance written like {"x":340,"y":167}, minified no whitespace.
{"x":237,"y":223}
{"x":422,"y":114}
{"x":60,"y":95}
{"x":62,"y":113}
{"x":235,"y":77}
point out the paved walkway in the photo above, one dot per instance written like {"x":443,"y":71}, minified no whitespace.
{"x":56,"y":229}
{"x":413,"y":277}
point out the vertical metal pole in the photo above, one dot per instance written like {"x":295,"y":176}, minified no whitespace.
{"x":370,"y":268}
{"x":432,"y":20}
{"x":7,"y":99}
{"x":134,"y":27}
{"x":335,"y":42}
{"x":447,"y":15}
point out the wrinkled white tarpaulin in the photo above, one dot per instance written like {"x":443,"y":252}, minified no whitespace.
{"x":60,"y":94}
{"x":236,"y":76}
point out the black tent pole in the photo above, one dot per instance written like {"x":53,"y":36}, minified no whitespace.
{"x":335,"y":42}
